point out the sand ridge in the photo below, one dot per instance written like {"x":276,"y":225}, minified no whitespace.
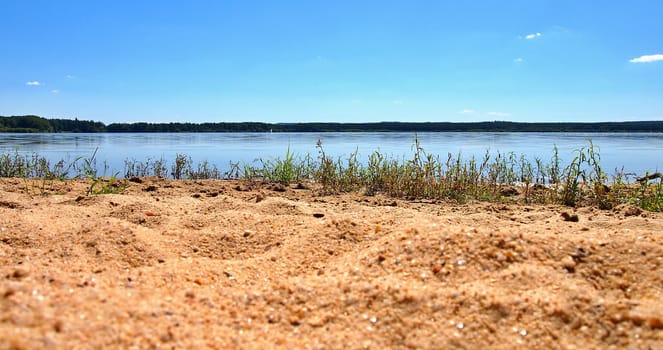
{"x":225,"y":264}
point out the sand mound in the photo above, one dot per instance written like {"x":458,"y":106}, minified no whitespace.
{"x":219,"y":264}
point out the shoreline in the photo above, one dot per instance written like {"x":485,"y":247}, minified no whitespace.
{"x":501,"y":177}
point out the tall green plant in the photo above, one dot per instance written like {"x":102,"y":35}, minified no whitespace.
{"x":181,"y":167}
{"x":281,"y":170}
{"x":573,"y":178}
{"x":327,"y":171}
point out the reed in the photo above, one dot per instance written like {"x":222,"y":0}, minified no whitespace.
{"x":499,"y":177}
{"x":150,"y":167}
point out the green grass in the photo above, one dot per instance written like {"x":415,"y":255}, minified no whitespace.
{"x":87,"y":169}
{"x":493,"y":177}
{"x":38,"y":174}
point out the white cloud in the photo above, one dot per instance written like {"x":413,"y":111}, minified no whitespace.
{"x":33,"y":83}
{"x":532,"y":36}
{"x":55,"y":91}
{"x":69,"y":76}
{"x":647,"y":58}
{"x":499,"y":114}
{"x":519,"y":60}
{"x":467,"y":111}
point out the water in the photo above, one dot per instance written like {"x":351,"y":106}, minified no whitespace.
{"x":635,"y":152}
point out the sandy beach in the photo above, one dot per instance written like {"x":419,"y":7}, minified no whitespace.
{"x":224,"y":264}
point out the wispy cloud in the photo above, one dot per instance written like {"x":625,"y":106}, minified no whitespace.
{"x":647,"y":58}
{"x":518,"y":60}
{"x":33,"y":83}
{"x":467,"y":111}
{"x":532,"y":36}
{"x":499,"y":114}
{"x":55,"y":91}
{"x":69,"y":76}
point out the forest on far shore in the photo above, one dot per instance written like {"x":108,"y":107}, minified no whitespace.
{"x":36,"y":124}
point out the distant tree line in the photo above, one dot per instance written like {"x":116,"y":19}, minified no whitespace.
{"x":189,"y":127}
{"x":36,"y":124}
{"x":33,"y":124}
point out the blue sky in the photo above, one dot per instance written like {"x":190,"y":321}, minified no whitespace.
{"x":344,"y":61}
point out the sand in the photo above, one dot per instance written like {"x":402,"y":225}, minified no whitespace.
{"x":222,"y":264}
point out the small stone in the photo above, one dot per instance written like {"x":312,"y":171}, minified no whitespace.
{"x":569,"y":264}
{"x":570,"y":217}
{"x":9,"y":291}
{"x":58,"y":326}
{"x":189,"y":294}
{"x":260,"y":197}
{"x":316,"y":321}
{"x":229,"y":275}
{"x":136,"y":179}
{"x":632,"y":211}
{"x":318,"y":215}
{"x":20,"y":272}
{"x":655,"y":322}
{"x":167,"y":336}
{"x":277,"y":187}
{"x":240,"y":188}
{"x":647,"y":314}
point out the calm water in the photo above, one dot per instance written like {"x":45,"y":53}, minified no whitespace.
{"x":636,"y":152}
